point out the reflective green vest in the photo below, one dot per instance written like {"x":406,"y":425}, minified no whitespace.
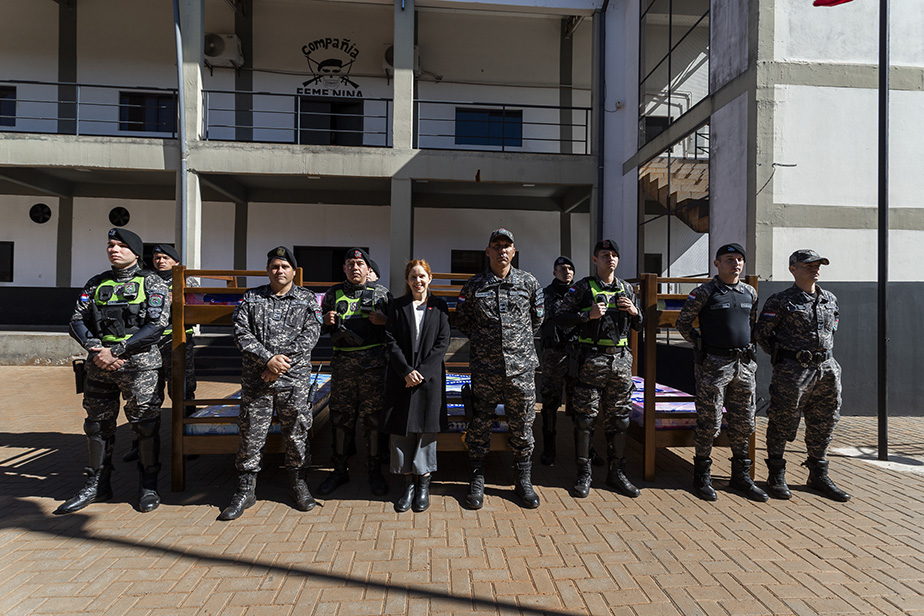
{"x":592,"y":328}
{"x":119,"y":306}
{"x":354,"y":311}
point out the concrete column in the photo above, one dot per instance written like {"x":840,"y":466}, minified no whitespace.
{"x":402,"y":231}
{"x":403,"y":105}
{"x":565,"y":80}
{"x":243,"y":80}
{"x":189,"y":209}
{"x":240,"y":235}
{"x":65,"y":244}
{"x":67,"y":68}
{"x":565,"y":226}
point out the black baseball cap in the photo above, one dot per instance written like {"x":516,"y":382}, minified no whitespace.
{"x":806,"y":255}
{"x":130,"y":239}
{"x":501,"y":233}
{"x":731,"y":248}
{"x":606,"y":245}
{"x":166,"y":249}
{"x":563,"y":260}
{"x":281,"y":252}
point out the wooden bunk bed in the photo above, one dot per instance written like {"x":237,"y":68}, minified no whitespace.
{"x":660,"y":314}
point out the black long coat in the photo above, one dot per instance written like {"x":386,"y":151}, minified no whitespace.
{"x":421,"y":408}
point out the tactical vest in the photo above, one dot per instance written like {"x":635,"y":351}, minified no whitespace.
{"x":355,"y":315}
{"x":599,"y":333}
{"x":725,"y":319}
{"x":119,"y":305}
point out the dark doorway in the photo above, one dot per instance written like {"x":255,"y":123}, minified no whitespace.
{"x":325,"y":121}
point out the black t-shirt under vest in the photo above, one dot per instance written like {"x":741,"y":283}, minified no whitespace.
{"x":725,"y":319}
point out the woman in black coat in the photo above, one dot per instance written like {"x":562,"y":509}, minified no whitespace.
{"x":417,"y":333}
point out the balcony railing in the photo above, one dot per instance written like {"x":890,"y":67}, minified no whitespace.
{"x":268,"y":117}
{"x":87,"y":109}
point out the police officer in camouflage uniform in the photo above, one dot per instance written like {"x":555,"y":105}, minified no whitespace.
{"x":604,"y":308}
{"x":120,"y":316}
{"x":164,"y":258}
{"x":354,"y":314}
{"x":500,"y":311}
{"x":725,"y":368}
{"x":796,"y":327}
{"x":557,"y":346}
{"x":275,"y":326}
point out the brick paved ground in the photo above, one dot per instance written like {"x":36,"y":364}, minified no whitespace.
{"x":663,"y":553}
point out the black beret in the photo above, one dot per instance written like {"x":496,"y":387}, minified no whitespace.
{"x":166,"y":249}
{"x":374,"y":267}
{"x":132,"y":240}
{"x":606,"y":245}
{"x":357,"y":253}
{"x":731,"y":248}
{"x":563,"y":260}
{"x":281,"y":252}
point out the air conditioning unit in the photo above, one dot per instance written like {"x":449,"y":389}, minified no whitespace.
{"x":388,"y":60}
{"x":223,"y":50}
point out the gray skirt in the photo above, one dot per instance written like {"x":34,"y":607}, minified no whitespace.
{"x":413,"y":454}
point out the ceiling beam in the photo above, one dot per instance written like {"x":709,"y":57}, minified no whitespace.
{"x":574,"y":198}
{"x":477,"y":202}
{"x":227,"y":187}
{"x":322,"y":196}
{"x":38,"y":180}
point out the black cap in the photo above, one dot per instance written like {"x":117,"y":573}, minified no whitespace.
{"x":132,"y":240}
{"x":374,"y":267}
{"x":731,"y":248}
{"x":563,"y":260}
{"x":606,"y":245}
{"x":501,"y":233}
{"x":281,"y":252}
{"x":166,"y":249}
{"x":357,"y":253}
{"x":807,"y":256}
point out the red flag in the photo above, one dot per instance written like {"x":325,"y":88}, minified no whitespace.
{"x":829,"y":2}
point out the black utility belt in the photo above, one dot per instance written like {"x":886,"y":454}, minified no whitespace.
{"x":806,"y":357}
{"x":740,"y":352}
{"x":609,"y":350}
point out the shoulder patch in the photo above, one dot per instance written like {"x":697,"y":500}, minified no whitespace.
{"x":691,"y":296}
{"x":572,"y":289}
{"x":768,"y":315}
{"x":461,"y":299}
{"x":156,"y":300}
{"x":84,"y":297}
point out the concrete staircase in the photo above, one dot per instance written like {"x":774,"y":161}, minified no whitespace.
{"x":682,"y":190}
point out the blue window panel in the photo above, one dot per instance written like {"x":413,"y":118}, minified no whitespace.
{"x":7,"y":106}
{"x":493,"y":127}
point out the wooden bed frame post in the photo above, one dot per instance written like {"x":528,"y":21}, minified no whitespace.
{"x":752,"y":442}
{"x":178,"y":378}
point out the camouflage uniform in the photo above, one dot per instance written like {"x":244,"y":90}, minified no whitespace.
{"x":792,"y":321}
{"x":604,"y":382}
{"x":131,"y":330}
{"x":557,"y":343}
{"x":165,"y":376}
{"x":357,"y":377}
{"x":725,"y":374}
{"x":266,"y":325}
{"x":501,"y":316}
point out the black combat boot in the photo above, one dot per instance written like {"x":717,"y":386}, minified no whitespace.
{"x":422,"y":493}
{"x":616,"y":473}
{"x":583,"y":429}
{"x":298,"y":488}
{"x":523,"y":487}
{"x":97,"y":487}
{"x":244,"y":498}
{"x":406,"y":499}
{"x":584,"y":478}
{"x":343,"y":447}
{"x":336,"y":478}
{"x":148,"y":433}
{"x":819,"y":480}
{"x":549,"y":417}
{"x":378,"y":455}
{"x":776,"y":479}
{"x":702,"y":479}
{"x":741,"y":481}
{"x":475,"y":497}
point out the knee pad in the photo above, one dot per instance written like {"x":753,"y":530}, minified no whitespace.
{"x":146,"y":428}
{"x":620,"y":424}
{"x":584,"y":422}
{"x":92,"y":428}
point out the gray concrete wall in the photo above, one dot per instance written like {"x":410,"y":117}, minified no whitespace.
{"x":38,"y":349}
